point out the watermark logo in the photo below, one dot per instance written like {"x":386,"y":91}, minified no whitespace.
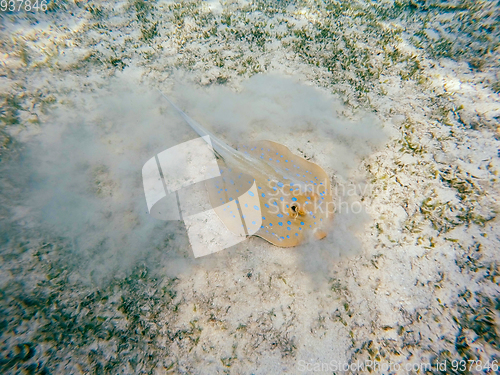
{"x":370,"y":366}
{"x":173,"y":189}
{"x":316,"y":197}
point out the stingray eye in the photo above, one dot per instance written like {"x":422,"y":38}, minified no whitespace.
{"x":296,"y":210}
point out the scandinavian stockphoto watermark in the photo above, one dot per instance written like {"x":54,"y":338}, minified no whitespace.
{"x":392,"y":367}
{"x":174,"y":190}
{"x":346,"y":197}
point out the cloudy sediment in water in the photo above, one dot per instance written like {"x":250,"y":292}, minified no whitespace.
{"x":397,"y":101}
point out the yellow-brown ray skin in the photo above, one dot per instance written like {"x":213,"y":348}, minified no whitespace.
{"x":310,"y":174}
{"x":315,"y":222}
{"x":268,"y":167}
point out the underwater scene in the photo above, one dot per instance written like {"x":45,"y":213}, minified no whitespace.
{"x":249,"y":187}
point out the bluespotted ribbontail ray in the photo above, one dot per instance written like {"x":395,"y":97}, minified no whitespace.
{"x":294,"y":193}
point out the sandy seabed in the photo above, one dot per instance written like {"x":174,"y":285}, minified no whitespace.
{"x":397,"y":101}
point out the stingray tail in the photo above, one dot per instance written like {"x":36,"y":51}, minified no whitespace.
{"x":220,"y":148}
